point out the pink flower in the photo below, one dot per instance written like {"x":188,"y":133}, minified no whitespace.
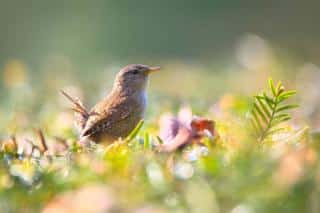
{"x":176,"y":132}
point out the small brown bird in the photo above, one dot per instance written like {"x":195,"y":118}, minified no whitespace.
{"x":118,"y":114}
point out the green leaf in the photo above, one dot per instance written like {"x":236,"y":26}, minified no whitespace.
{"x":287,"y":107}
{"x":271,"y":132}
{"x":146,"y":141}
{"x":281,"y":116}
{"x":280,"y":88}
{"x":159,"y":140}
{"x":285,"y":119}
{"x":271,"y":85}
{"x":257,"y":108}
{"x":269,"y":100}
{"x":135,"y":131}
{"x":280,"y":119}
{"x":264,"y":107}
{"x":259,"y":97}
{"x":256,"y":120}
{"x":255,"y":127}
{"x":286,"y":95}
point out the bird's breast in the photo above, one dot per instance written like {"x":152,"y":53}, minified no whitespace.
{"x":143,"y":97}
{"x":139,"y":101}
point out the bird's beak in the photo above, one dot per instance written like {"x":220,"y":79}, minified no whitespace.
{"x":152,"y":69}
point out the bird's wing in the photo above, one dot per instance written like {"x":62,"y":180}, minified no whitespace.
{"x":104,"y":116}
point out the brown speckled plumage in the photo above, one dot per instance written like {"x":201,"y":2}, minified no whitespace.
{"x":116,"y":115}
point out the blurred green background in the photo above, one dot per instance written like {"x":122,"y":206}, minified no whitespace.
{"x":93,"y":34}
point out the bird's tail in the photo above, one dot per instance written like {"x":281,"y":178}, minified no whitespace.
{"x":81,"y":113}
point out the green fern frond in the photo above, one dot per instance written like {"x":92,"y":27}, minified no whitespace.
{"x":271,"y":110}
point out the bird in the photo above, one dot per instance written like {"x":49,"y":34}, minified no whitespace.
{"x":116,"y":115}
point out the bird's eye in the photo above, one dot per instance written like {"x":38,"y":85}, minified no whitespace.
{"x":135,"y":72}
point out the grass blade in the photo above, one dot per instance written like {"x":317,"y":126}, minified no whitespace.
{"x":135,"y":131}
{"x":146,"y":141}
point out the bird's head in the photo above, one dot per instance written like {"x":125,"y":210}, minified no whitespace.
{"x":134,"y":77}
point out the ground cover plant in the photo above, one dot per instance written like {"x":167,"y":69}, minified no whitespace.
{"x":241,"y":153}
